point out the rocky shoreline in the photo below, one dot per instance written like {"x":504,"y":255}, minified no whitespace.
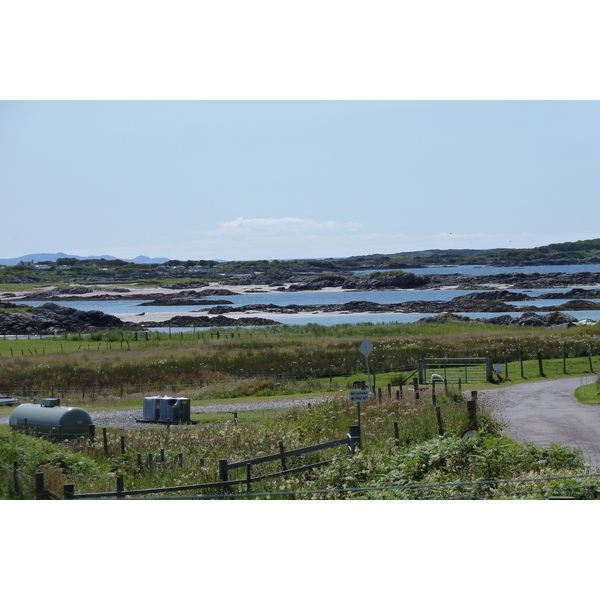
{"x":51,"y":318}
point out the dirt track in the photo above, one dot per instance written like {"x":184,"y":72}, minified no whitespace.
{"x":542,"y":412}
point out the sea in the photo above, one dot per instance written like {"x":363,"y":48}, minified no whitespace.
{"x":127,"y":308}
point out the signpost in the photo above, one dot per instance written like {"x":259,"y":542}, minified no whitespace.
{"x":359,"y":396}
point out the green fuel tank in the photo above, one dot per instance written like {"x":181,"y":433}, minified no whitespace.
{"x":63,"y":422}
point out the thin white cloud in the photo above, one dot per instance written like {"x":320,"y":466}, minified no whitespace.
{"x":282,"y":226}
{"x":291,"y":237}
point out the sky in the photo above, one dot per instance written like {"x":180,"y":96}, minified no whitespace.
{"x":263,"y":132}
{"x":236,"y":180}
{"x":239,"y":132}
{"x":323,"y":128}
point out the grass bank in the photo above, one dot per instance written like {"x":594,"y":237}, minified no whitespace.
{"x":404,"y":455}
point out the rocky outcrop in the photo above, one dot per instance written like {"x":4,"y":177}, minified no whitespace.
{"x":527,"y":319}
{"x":74,"y":291}
{"x":186,"y":301}
{"x":51,"y":318}
{"x":202,"y":292}
{"x":476,"y":302}
{"x":574,"y":293}
{"x":220,"y":321}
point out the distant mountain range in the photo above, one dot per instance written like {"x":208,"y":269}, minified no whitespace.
{"x":53,"y":257}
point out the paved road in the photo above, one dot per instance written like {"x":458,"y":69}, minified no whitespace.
{"x":542,"y":412}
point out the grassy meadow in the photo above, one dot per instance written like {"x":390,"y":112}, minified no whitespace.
{"x":113,"y":368}
{"x":406,"y":440}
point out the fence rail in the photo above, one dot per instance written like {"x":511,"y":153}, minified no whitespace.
{"x":352,"y":441}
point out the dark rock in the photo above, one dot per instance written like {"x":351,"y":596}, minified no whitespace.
{"x":203,"y":292}
{"x":178,"y":301}
{"x":574,"y":293}
{"x":445,"y":318}
{"x":52,"y":318}
{"x":76,"y":291}
{"x":532,"y":319}
{"x":219,"y":321}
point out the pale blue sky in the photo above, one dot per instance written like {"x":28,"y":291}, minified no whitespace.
{"x":285,"y":179}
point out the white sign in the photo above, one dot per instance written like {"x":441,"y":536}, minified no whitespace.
{"x":365,"y":348}
{"x":359,"y":396}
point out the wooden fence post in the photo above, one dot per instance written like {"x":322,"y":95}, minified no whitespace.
{"x":396,"y":433}
{"x":472,"y":409}
{"x":354,"y":438}
{"x":91,"y":433}
{"x":120,"y":487}
{"x":521,"y":362}
{"x":105,"y":440}
{"x":248,"y":477}
{"x":39,"y":486}
{"x":16,"y":483}
{"x":69,"y":491}
{"x":122,"y":444}
{"x":438,"y":414}
{"x":224,"y":474}
{"x":282,"y":453}
{"x":540,"y":364}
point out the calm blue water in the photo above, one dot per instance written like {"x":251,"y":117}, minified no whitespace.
{"x":128,"y":307}
{"x":131,"y":307}
{"x":486,"y":270}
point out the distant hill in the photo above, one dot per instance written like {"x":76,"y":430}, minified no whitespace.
{"x":53,"y":257}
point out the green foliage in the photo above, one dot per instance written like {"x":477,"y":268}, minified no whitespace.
{"x":420,"y":457}
{"x":453,"y":459}
{"x":320,"y":357}
{"x":32,"y":454}
{"x":69,"y":270}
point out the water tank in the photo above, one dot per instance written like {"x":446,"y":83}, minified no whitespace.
{"x":176,"y":410}
{"x":151,"y":408}
{"x":48,"y":419}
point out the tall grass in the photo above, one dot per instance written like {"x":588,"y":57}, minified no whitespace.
{"x":301,"y":353}
{"x":202,"y":446}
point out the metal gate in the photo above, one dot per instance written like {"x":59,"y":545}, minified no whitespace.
{"x":467,"y":370}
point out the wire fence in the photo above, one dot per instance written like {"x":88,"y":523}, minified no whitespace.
{"x":548,"y":493}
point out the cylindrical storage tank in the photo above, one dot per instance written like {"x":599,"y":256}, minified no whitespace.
{"x":64,"y":422}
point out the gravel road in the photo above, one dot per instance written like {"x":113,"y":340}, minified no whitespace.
{"x":544,"y":412}
{"x":126,"y":419}
{"x":540,"y":413}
